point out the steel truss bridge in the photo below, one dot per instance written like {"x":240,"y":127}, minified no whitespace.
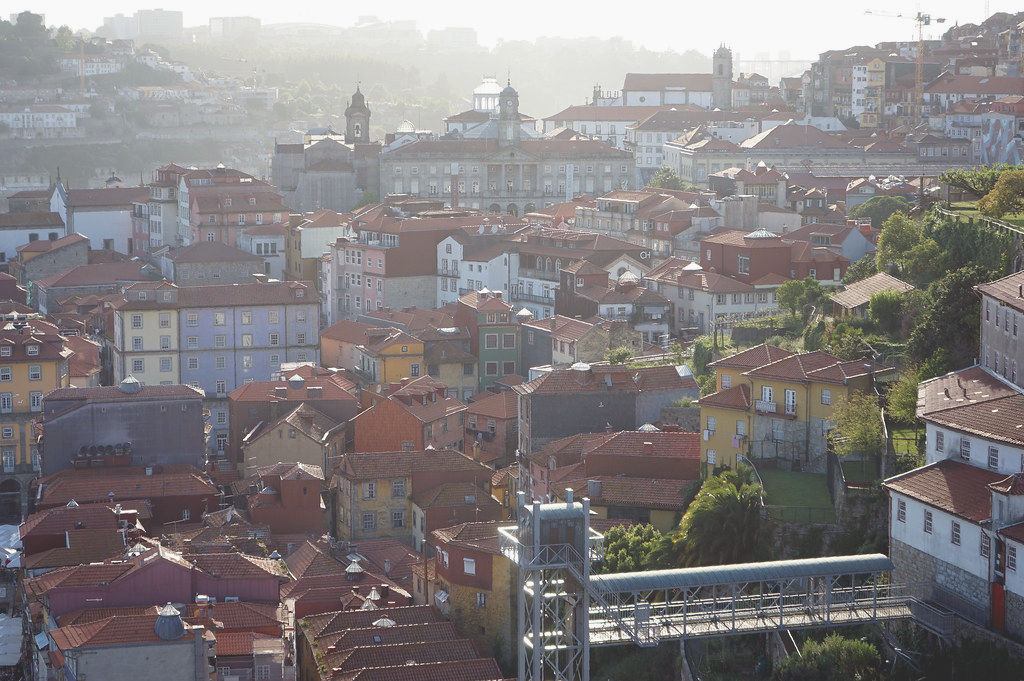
{"x":563,"y":610}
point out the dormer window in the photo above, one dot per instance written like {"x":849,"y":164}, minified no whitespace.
{"x":5,"y":351}
{"x":142,"y":295}
{"x":227,"y":203}
{"x":32,"y":350}
{"x":252,"y":201}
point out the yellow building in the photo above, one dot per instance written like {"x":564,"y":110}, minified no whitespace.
{"x":474,"y":584}
{"x":874,"y":94}
{"x":772,"y":403}
{"x":388,"y":356}
{"x":304,"y":435}
{"x":33,"y":361}
{"x":374,"y":492}
{"x":453,"y":366}
{"x":146,"y":334}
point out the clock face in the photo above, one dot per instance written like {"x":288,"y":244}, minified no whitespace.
{"x":508,"y":102}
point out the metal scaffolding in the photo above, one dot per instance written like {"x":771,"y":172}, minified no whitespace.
{"x":564,"y":610}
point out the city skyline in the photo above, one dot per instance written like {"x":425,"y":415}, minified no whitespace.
{"x":751,"y":38}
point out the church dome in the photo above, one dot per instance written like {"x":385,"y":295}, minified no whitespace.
{"x":509,"y":91}
{"x":628,"y":278}
{"x":406,"y":126}
{"x":489,"y":86}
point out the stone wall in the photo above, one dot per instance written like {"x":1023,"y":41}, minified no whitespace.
{"x":1014,"y":617}
{"x":687,"y":418}
{"x":919,"y":568}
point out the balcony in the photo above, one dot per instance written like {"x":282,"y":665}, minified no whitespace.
{"x":534,"y":298}
{"x":765,"y":407}
{"x":448,"y":271}
{"x":531,"y":273}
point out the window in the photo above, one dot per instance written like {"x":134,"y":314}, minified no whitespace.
{"x":262,"y":672}
{"x":300,"y":316}
{"x":221,"y":386}
{"x":397,"y":519}
{"x":137,"y":343}
{"x":481,"y":599}
{"x":826,"y":396}
{"x":965,"y":449}
{"x":192,"y":362}
{"x":5,"y":374}
{"x":469,"y":566}
{"x":247,"y":362}
{"x":986,"y":545}
{"x":220,"y":341}
{"x":726,"y":381}
{"x":369,"y":521}
{"x":165,"y":320}
{"x":993,"y":458}
{"x":743,"y":264}
{"x":7,"y":432}
{"x":9,"y":461}
{"x":165,"y":364}
{"x":508,"y":340}
{"x":491,"y":341}
{"x":192,"y":342}
{"x":136,"y":321}
{"x":928,"y":522}
{"x":185,"y":514}
{"x":247,"y":317}
{"x":165,"y":342}
{"x":712,"y":424}
{"x":901,"y":511}
{"x":138,"y":366}
{"x":192,"y":319}
{"x":414,"y":370}
{"x":300,"y":338}
{"x":246,"y":340}
{"x":508,"y":368}
{"x":398,"y":488}
{"x":954,"y":533}
{"x":940,"y":438}
{"x":36,"y":400}
{"x":712,"y":456}
{"x":790,"y":401}
{"x":491,"y":369}
{"x":275,"y":360}
{"x":741,"y":428}
{"x":5,"y":351}
{"x":219,"y":319}
{"x":6,"y":403}
{"x":220,"y":362}
{"x":1011,"y":558}
{"x":369,"y":490}
{"x":274,"y":317}
{"x":767,"y":394}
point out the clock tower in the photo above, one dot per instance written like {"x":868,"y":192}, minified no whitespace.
{"x":509,"y":124}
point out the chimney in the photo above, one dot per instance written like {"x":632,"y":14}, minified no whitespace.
{"x":608,"y":428}
{"x":648,"y":448}
{"x":387,"y":567}
{"x":568,"y":496}
{"x":593,"y":488}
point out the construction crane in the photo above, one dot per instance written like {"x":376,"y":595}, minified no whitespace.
{"x":922,"y":19}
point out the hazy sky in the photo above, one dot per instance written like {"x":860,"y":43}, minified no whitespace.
{"x":801,"y":27}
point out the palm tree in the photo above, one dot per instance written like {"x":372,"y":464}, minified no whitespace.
{"x":723,"y":524}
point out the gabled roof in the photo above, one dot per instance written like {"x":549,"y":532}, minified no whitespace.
{"x":859,"y":292}
{"x":973,"y":400}
{"x":501,"y":405}
{"x":209,"y":252}
{"x":98,"y":274}
{"x":449,"y":494}
{"x":480,"y":536}
{"x":793,"y":135}
{"x":108,"y":197}
{"x":951,"y":486}
{"x":292,"y":471}
{"x":754,"y":357}
{"x":611,"y":377}
{"x":1007,"y":290}
{"x":61,"y":518}
{"x":736,"y":397}
{"x":117,"y":631}
{"x":94,"y":485}
{"x":816,"y":365}
{"x":375,"y":465}
{"x":30,"y":220}
{"x":347,"y":331}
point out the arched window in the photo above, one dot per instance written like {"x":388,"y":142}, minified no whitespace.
{"x":558,"y":264}
{"x":547,"y":264}
{"x":357,"y":129}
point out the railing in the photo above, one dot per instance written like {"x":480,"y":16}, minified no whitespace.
{"x":981,"y":218}
{"x":765,"y":407}
{"x":533,"y":298}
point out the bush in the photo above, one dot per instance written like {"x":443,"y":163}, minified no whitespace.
{"x":885,"y":308}
{"x":834,"y":659}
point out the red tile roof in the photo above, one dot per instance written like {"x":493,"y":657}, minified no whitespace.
{"x":502,"y":405}
{"x":951,"y":486}
{"x":238,"y":643}
{"x":736,"y":397}
{"x":94,"y":485}
{"x":41,"y":220}
{"x":480,"y":669}
{"x":792,"y":135}
{"x":210,"y":251}
{"x":590,"y":112}
{"x":99,"y":274}
{"x":347,"y":331}
{"x":612,"y":377}
{"x":375,"y":465}
{"x":973,"y":401}
{"x":397,"y":654}
{"x":58,"y":520}
{"x":117,"y":631}
{"x":269,"y":293}
{"x":84,"y":546}
{"x":337,"y":622}
{"x":333,"y":387}
{"x":108,"y":197}
{"x":105,"y":393}
{"x":1006,"y":290}
{"x":449,"y":494}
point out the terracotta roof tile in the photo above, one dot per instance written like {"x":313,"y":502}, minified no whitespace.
{"x":99,"y":274}
{"x":118,"y":197}
{"x":398,"y":654}
{"x":611,"y":377}
{"x":480,"y":669}
{"x":113,"y":631}
{"x":736,"y":397}
{"x":94,"y":485}
{"x":210,"y":251}
{"x":30,"y":220}
{"x":973,"y":401}
{"x":238,"y":643}
{"x":951,"y":486}
{"x":501,"y":405}
{"x":375,"y":465}
{"x":449,"y":494}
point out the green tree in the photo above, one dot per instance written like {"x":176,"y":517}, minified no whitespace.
{"x":950,"y":318}
{"x":1007,"y":196}
{"x":723,"y":523}
{"x":368,"y":199}
{"x":790,"y":296}
{"x":630,"y":548}
{"x":860,"y":269}
{"x":880,"y":209}
{"x":619,"y":355}
{"x":902,"y":398}
{"x":834,"y":659}
{"x":701,"y":355}
{"x":885,"y":307}
{"x":975,"y":181}
{"x":899,"y":235}
{"x":858,"y":430}
{"x":666,"y":178}
{"x":925,"y":262}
